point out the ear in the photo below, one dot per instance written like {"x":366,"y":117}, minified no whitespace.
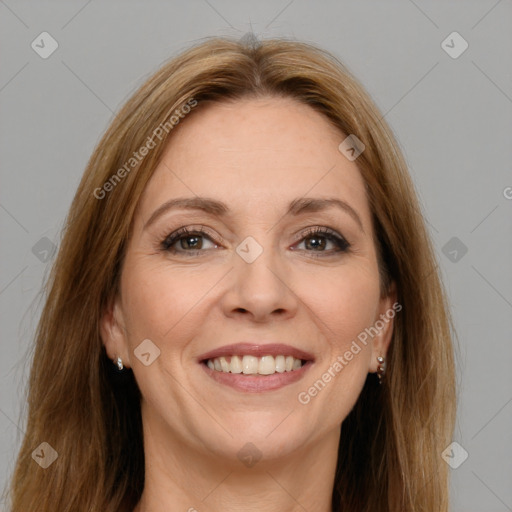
{"x":384,"y":322}
{"x":113,"y":332}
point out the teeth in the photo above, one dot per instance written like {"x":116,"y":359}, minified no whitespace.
{"x":267,"y":365}
{"x":235,"y":365}
{"x":251,"y":365}
{"x":280,"y":364}
{"x":224,"y":364}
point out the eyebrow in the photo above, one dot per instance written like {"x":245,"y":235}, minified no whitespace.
{"x":217,"y":208}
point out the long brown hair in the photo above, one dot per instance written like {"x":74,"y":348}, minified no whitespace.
{"x":390,"y":448}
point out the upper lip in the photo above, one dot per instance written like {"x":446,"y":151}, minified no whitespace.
{"x":258,"y":350}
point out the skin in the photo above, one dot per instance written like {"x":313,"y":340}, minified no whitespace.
{"x":256,"y":155}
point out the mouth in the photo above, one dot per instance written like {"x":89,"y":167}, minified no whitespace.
{"x":256,"y":368}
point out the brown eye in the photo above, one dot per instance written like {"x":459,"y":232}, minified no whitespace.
{"x":318,"y":239}
{"x":191,"y":242}
{"x":185,"y":240}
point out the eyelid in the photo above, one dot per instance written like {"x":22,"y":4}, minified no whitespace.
{"x":343,"y":245}
{"x":169,"y":239}
{"x":316,"y":229}
{"x":173,"y":236}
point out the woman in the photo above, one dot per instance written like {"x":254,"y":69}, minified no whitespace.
{"x":246,"y":247}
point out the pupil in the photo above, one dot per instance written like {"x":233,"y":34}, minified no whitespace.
{"x":195,"y":241}
{"x":320,"y":244}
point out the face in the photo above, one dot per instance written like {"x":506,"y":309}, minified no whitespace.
{"x":245,"y":268}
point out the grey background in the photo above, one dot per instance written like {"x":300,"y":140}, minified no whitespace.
{"x":452,"y":117}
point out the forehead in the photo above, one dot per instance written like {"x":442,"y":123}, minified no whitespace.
{"x":255,"y":153}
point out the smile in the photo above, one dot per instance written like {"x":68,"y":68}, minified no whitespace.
{"x":251,"y":365}
{"x":255,"y":367}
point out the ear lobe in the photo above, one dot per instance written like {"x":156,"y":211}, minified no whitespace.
{"x":112,"y":331}
{"x":388,"y":309}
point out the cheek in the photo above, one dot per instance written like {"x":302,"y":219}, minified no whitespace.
{"x":165,"y":306}
{"x":344,"y":304}
{"x":161,"y":303}
{"x":345,"y":301}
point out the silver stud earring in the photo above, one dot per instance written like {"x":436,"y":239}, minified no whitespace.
{"x":381,"y":369}
{"x":119,"y":363}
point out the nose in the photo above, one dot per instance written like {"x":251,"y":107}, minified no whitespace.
{"x":260,"y":290}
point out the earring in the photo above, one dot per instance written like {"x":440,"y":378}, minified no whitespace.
{"x":381,"y":369}
{"x":119,"y":363}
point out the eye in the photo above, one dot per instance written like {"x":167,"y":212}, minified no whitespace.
{"x":187,"y":240}
{"x":317,"y":240}
{"x":191,"y":241}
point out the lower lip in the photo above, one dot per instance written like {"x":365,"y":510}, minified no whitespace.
{"x":257,"y":383}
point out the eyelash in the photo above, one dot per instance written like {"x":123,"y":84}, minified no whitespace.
{"x":342,"y":245}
